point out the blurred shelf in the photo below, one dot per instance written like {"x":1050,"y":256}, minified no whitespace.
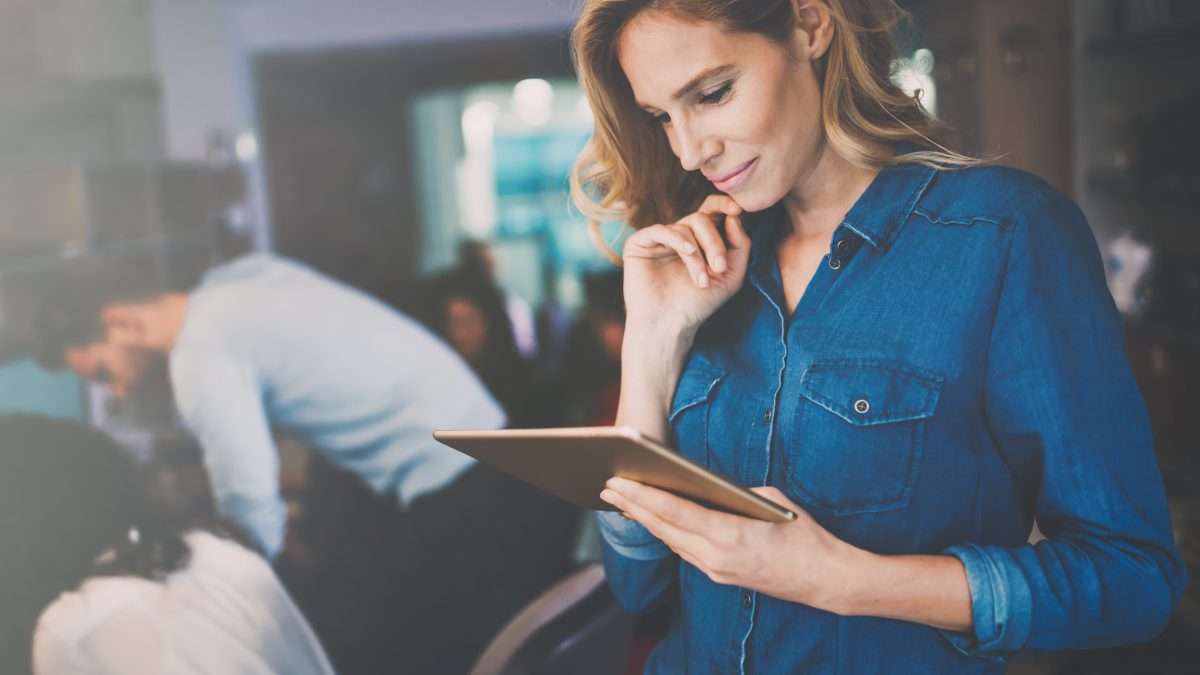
{"x":1177,"y":37}
{"x":1183,"y":191}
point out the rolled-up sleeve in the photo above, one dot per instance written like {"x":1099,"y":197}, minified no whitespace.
{"x":1060,"y":397}
{"x":220,"y":402}
{"x":638,"y":566}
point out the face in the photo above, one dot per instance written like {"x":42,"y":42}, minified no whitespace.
{"x":741,"y":108}
{"x":610,"y":334}
{"x":466,"y":328}
{"x":123,"y":368}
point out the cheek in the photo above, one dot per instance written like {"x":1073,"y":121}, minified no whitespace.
{"x":671,"y":140}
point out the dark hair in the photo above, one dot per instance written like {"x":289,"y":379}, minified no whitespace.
{"x":67,"y":311}
{"x":604,"y":297}
{"x":68,"y":494}
{"x":501,"y":345}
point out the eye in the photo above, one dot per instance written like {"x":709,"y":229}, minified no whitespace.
{"x":716,"y":94}
{"x":661,"y":117}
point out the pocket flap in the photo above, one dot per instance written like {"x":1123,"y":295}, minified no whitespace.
{"x":700,"y":377}
{"x":866,"y":393}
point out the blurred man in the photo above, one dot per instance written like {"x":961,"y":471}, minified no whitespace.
{"x":263,"y":343}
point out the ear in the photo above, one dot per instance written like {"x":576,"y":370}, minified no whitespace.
{"x":126,"y":325}
{"x":814,"y":28}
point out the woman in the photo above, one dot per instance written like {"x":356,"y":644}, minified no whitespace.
{"x":100,"y":582}
{"x":471,"y":316}
{"x":915,"y":354}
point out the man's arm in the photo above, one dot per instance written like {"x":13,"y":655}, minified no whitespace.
{"x":220,"y":401}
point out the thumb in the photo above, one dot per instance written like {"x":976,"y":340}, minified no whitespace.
{"x":735,"y":232}
{"x":775,"y":495}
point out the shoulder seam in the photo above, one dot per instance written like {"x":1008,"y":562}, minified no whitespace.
{"x":939,"y":220}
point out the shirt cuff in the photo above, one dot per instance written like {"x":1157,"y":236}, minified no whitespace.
{"x":1001,"y":603}
{"x":262,"y":520}
{"x":629,"y":538}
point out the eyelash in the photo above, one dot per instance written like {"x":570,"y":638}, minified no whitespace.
{"x":713,"y":97}
{"x":717,"y":95}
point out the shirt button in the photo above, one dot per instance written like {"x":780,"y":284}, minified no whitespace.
{"x":835,"y":264}
{"x":842,"y":245}
{"x":862,"y":406}
{"x":766,"y":416}
{"x":747,"y":601}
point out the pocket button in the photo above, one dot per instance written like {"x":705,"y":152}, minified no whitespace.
{"x":862,"y":406}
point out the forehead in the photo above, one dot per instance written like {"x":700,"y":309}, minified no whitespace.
{"x":660,"y":53}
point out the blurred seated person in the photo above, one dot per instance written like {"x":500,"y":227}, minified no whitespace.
{"x":592,"y":366}
{"x":477,"y":259}
{"x":470,"y":314}
{"x":100,"y":580}
{"x":264,"y":343}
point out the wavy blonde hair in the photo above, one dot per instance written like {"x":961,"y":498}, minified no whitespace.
{"x":627,"y":171}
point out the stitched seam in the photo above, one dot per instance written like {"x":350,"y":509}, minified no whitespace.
{"x":696,"y":401}
{"x":939,"y":220}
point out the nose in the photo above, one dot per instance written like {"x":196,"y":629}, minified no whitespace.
{"x":694,"y":147}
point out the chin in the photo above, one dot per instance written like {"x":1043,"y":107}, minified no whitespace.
{"x":752,"y":200}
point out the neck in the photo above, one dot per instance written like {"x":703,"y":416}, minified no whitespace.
{"x":173,"y":312}
{"x":823,"y":195}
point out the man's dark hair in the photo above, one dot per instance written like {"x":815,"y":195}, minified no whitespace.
{"x":68,"y":493}
{"x":67,"y":308}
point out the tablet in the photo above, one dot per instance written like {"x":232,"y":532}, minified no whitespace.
{"x":574,"y":463}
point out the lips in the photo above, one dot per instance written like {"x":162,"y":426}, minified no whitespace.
{"x":732,"y":178}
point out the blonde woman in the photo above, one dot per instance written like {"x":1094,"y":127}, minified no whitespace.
{"x":916,"y":354}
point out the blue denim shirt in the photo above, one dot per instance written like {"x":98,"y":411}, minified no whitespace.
{"x":954,"y":370}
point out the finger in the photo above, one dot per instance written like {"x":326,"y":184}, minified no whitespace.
{"x":696,"y":265}
{"x":676,"y":538}
{"x":675,"y":510}
{"x":719,"y":203}
{"x":735,"y":233}
{"x":662,"y":241}
{"x":704,"y":228}
{"x":656,"y":241}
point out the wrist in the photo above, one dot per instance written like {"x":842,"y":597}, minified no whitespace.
{"x":854,"y":570}
{"x":657,"y":340}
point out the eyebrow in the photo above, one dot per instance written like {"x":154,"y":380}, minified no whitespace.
{"x":695,"y":82}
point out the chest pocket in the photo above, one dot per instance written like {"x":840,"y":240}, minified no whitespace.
{"x":859,"y":434}
{"x":690,"y":407}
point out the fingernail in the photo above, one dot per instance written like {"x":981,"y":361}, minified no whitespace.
{"x":607,"y":495}
{"x":702,"y":280}
{"x":719,"y":264}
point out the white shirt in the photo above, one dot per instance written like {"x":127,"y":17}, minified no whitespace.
{"x":225,"y":612}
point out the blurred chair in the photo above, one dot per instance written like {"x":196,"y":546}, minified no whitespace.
{"x":574,"y":627}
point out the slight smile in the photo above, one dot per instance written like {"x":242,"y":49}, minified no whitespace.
{"x":731,"y":180}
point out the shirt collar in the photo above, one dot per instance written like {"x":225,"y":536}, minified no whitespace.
{"x":876,"y":217}
{"x":887,"y":203}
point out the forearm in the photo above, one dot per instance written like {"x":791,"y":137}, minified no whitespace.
{"x":925,"y":589}
{"x":652,"y":358}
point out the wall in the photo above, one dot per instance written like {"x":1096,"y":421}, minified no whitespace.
{"x":204,"y":46}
